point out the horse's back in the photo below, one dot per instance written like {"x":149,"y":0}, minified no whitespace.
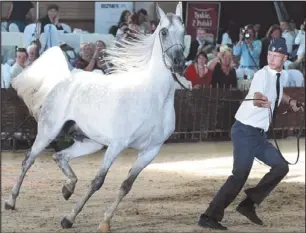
{"x":106,"y":105}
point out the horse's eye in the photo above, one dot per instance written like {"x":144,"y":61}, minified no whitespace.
{"x":163,"y":32}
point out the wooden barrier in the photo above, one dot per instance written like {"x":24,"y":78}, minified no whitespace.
{"x":200,"y":115}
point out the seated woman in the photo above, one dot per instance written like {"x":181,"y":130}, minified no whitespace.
{"x":87,"y":60}
{"x":223,"y":72}
{"x":198,"y":73}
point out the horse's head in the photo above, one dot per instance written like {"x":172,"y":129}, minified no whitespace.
{"x":171,"y":32}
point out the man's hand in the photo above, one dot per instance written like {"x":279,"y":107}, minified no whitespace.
{"x":261,"y":101}
{"x":198,"y":86}
{"x":293,"y":105}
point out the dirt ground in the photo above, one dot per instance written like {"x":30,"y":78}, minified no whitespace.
{"x":168,"y":196}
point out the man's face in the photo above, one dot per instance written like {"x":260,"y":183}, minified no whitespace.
{"x":21,"y":58}
{"x":141,"y":17}
{"x":52,"y":13}
{"x":284,"y":26}
{"x":257,"y":27}
{"x":276,"y":60}
{"x":201,"y":34}
{"x":32,"y":54}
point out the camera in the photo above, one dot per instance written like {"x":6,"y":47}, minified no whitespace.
{"x":244,"y":31}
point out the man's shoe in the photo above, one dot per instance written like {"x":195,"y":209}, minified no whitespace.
{"x":249,"y":212}
{"x":208,"y":222}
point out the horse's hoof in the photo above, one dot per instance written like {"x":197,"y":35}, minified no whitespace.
{"x":7,"y":206}
{"x":66,"y":223}
{"x":66,"y":193}
{"x":104,"y":227}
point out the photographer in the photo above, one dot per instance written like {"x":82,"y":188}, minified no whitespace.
{"x":249,"y":50}
{"x":300,"y":40}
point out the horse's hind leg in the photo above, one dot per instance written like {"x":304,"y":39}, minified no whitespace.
{"x":42,"y":140}
{"x":62,"y":158}
{"x":111,"y":154}
{"x":144,"y":159}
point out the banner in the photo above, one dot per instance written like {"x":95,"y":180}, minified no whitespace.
{"x":205,"y":15}
{"x":108,"y":14}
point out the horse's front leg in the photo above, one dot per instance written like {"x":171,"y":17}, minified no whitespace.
{"x":144,"y":159}
{"x":111,"y":154}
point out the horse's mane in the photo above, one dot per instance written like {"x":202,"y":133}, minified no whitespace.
{"x":131,"y":54}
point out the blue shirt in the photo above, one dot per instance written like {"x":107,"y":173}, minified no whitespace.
{"x":246,"y":60}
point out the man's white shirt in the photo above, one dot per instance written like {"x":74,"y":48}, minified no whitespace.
{"x":300,"y":40}
{"x":289,"y":37}
{"x":264,"y":81}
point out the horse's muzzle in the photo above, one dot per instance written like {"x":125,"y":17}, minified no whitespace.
{"x":179,"y":64}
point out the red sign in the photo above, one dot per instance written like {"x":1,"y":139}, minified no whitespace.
{"x":205,"y":15}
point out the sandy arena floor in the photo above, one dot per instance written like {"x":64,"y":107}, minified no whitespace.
{"x":168,"y":196}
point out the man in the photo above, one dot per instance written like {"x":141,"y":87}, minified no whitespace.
{"x":200,"y":41}
{"x":257,"y":28}
{"x":18,"y":12}
{"x":249,"y":50}
{"x":143,"y":20}
{"x":249,"y":141}
{"x":52,"y":17}
{"x":300,"y":41}
{"x":288,"y":35}
{"x":17,"y":68}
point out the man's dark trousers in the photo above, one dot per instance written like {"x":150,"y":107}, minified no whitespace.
{"x":248,"y":143}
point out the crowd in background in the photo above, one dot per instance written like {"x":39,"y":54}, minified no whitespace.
{"x":208,"y":62}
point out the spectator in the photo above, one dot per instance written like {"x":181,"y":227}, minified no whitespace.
{"x":87,"y":60}
{"x":154,"y":25}
{"x":52,"y":17}
{"x":274,"y":32}
{"x":121,"y":31}
{"x":228,"y":37}
{"x":101,"y":63}
{"x":257,"y":28}
{"x":223,"y":72}
{"x":198,"y":73}
{"x":18,"y":67}
{"x":288,"y":35}
{"x":292,"y":27}
{"x":199,"y":41}
{"x":33,"y":52}
{"x":249,"y":51}
{"x":113,"y":30}
{"x":210,"y":50}
{"x":143,"y":21}
{"x":299,"y":64}
{"x":125,"y":16}
{"x":18,"y":12}
{"x":134,"y":23}
{"x":300,"y":40}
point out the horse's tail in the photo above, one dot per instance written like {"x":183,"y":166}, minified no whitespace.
{"x":36,"y":81}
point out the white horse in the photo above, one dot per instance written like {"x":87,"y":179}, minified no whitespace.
{"x":131,"y":108}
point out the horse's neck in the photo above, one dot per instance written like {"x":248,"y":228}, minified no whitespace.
{"x":160,"y":78}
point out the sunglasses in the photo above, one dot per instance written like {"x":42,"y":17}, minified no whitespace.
{"x":21,"y":50}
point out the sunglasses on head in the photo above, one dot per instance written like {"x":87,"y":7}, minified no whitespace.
{"x":21,"y":50}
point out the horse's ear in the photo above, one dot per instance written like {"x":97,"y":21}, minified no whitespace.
{"x":179,"y":10}
{"x":160,"y":13}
